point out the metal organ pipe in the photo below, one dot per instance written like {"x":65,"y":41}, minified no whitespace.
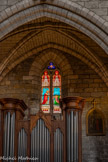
{"x":8,"y":134}
{"x":9,"y":131}
{"x":68,"y":137}
{"x":11,"y":136}
{"x":31,"y":144}
{"x":77,"y":136}
{"x":38,"y":123}
{"x":72,"y":136}
{"x":22,"y":145}
{"x":13,"y":132}
{"x":19,"y":151}
{"x":48,"y":146}
{"x":61,"y":146}
{"x":5,"y":132}
{"x":58,"y":145}
{"x":43,"y":141}
{"x":35,"y":134}
{"x":40,"y":142}
{"x":45,"y":144}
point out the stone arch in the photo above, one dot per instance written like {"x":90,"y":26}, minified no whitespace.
{"x":59,"y":59}
{"x":68,"y":12}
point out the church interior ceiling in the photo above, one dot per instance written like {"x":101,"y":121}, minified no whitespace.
{"x":47,"y":33}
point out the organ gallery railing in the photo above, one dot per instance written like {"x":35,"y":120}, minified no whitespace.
{"x":41,"y":137}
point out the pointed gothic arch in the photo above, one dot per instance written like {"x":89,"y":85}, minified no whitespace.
{"x":60,"y":61}
{"x":68,"y":12}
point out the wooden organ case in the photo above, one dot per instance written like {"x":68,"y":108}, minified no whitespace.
{"x":41,"y":137}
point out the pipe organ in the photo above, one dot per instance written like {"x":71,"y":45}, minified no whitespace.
{"x":40,"y":142}
{"x":41,"y":137}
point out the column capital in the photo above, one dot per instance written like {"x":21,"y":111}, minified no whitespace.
{"x":72,"y":103}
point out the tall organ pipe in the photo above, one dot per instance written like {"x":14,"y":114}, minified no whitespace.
{"x":45,"y":143}
{"x":40,"y":139}
{"x":72,"y":136}
{"x":8,"y":135}
{"x":31,"y":144}
{"x":72,"y":139}
{"x":35,"y":134}
{"x":58,"y":145}
{"x":77,"y":136}
{"x":11,"y":136}
{"x":9,"y":131}
{"x":13,"y":132}
{"x":5,"y":137}
{"x":68,"y":137}
{"x":48,"y":146}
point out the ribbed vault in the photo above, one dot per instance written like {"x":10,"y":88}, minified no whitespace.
{"x":49,"y":32}
{"x":46,"y":33}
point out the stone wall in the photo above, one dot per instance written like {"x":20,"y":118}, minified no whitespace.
{"x":100,"y":7}
{"x":83,"y":82}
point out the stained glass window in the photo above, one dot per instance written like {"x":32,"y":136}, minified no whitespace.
{"x":51,"y":90}
{"x":51,"y":66}
{"x":56,"y":91}
{"x":45,"y":97}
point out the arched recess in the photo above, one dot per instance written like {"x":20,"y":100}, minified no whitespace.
{"x":42,"y":61}
{"x":69,"y":12}
{"x":95,"y":122}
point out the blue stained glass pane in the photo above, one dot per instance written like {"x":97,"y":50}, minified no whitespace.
{"x":45,"y":96}
{"x":51,"y":66}
{"x":56,"y":91}
{"x":45,"y":90}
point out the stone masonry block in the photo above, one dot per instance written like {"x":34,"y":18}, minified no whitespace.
{"x":91,"y":4}
{"x":11,"y":2}
{"x":3,"y":2}
{"x":100,"y":12}
{"x":103,"y":4}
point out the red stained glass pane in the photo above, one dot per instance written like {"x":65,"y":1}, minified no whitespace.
{"x":56,"y":79}
{"x":46,"y":79}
